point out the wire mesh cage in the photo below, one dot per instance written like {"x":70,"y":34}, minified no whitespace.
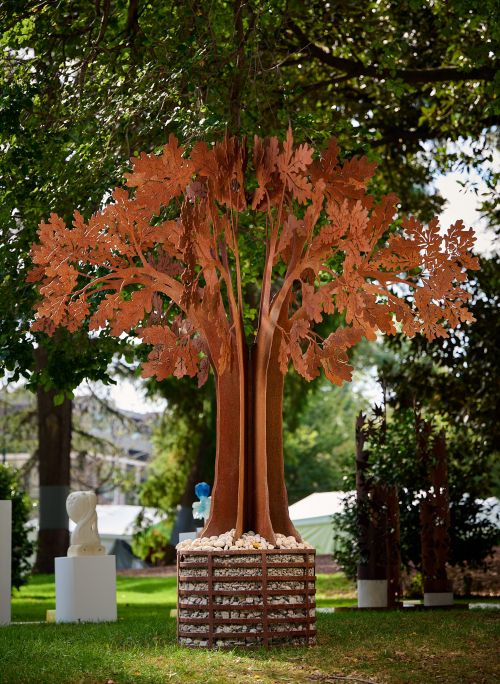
{"x":246,"y":598}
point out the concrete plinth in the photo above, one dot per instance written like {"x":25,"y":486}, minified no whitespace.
{"x":5,"y":560}
{"x":86,"y":589}
{"x":372,"y":593}
{"x":433,"y":599}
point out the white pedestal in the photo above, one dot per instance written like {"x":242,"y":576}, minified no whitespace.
{"x":434,"y":599}
{"x":86,"y":589}
{"x":5,"y":560}
{"x":372,"y":593}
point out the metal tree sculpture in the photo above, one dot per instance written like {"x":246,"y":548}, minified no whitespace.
{"x":166,"y":261}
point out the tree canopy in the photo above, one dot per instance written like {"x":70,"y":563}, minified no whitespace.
{"x":85,"y":85}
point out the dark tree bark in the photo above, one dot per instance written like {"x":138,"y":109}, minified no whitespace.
{"x":238,"y":80}
{"x":356,"y":68}
{"x":54,"y":450}
{"x":362,"y":497}
{"x":375,"y":566}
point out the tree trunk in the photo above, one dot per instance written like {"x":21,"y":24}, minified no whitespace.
{"x":224,"y":508}
{"x":257,"y":501}
{"x":54,"y":450}
{"x":362,"y":496}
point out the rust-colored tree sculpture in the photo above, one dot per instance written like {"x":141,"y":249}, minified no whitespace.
{"x":166,"y":261}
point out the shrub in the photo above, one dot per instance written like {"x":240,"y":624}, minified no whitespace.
{"x":22,"y":547}
{"x":151,"y":542}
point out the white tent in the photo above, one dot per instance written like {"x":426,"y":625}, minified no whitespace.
{"x":312,"y":518}
{"x":117,"y":522}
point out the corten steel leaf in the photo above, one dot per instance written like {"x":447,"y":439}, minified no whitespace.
{"x":165,"y":261}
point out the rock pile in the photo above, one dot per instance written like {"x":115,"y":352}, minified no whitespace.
{"x":249,"y":541}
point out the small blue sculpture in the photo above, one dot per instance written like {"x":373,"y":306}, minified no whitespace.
{"x":201,"y":508}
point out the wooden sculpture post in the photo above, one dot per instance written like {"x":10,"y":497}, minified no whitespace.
{"x":168,"y":261}
{"x":434,"y":516}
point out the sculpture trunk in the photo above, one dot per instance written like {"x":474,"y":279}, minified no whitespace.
{"x":240,"y":497}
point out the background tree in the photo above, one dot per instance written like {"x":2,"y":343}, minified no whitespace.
{"x":182,"y":456}
{"x":458,"y":380}
{"x":22,"y":547}
{"x":318,"y":442}
{"x":84,"y":85}
{"x":410,"y":75}
{"x":101,"y":436}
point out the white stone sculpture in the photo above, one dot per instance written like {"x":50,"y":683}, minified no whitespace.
{"x":85,"y":539}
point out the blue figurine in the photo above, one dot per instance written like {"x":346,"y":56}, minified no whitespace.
{"x":201,"y":508}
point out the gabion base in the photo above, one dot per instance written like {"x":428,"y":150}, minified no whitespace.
{"x":246,"y":598}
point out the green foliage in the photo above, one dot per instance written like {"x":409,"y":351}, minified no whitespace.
{"x":319,"y":444}
{"x":346,"y":550}
{"x":318,"y":439}
{"x":416,"y":588}
{"x":457,"y":381}
{"x":183,"y":454}
{"x":77,"y":103}
{"x":186,"y":430}
{"x":17,"y":421}
{"x":150,"y":542}
{"x":22,"y":547}
{"x":99,"y":432}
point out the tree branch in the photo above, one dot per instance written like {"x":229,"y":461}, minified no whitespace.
{"x":355,"y":68}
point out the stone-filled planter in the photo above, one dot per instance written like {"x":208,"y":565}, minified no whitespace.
{"x":246,"y":598}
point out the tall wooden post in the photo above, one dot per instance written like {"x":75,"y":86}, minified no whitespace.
{"x":435,"y":517}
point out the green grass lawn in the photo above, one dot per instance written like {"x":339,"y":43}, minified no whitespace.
{"x":401,"y":647}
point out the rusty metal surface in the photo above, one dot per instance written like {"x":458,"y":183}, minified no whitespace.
{"x":294,"y":627}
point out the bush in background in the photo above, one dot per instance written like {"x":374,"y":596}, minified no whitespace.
{"x":22,"y":547}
